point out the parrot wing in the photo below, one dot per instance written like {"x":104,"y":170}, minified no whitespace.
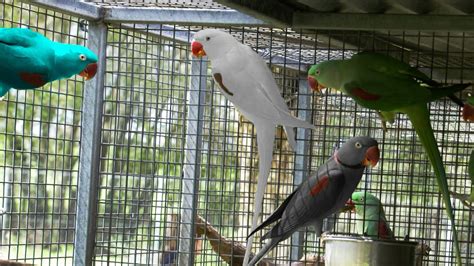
{"x":393,"y":94}
{"x":258,"y":70}
{"x":399,"y":77}
{"x":19,"y":37}
{"x":316,"y":198}
{"x":388,"y":65}
{"x":276,"y":215}
{"x":385,"y":95}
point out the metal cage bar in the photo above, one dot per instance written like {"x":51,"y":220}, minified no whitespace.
{"x":90,"y":151}
{"x":192,"y":159}
{"x":301,"y":158}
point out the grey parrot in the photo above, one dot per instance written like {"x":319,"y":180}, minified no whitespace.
{"x":322,"y":194}
{"x":246,"y":81}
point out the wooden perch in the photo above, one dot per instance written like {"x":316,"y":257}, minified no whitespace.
{"x":13,"y":263}
{"x":233,"y":252}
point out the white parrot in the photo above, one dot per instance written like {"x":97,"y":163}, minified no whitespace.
{"x":248,"y":83}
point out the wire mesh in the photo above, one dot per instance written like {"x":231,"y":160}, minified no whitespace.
{"x":39,"y":154}
{"x":228,"y":157}
{"x":145,"y":127}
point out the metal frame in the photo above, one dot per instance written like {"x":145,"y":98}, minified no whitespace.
{"x":90,"y":151}
{"x":301,"y":158}
{"x":191,"y":170}
{"x":187,"y":16}
{"x":286,"y":17}
{"x":340,"y":21}
{"x":71,"y":7}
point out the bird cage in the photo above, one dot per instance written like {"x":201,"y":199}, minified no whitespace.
{"x":149,"y":164}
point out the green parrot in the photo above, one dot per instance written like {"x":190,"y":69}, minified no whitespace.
{"x":385,"y":84}
{"x":30,"y":60}
{"x":371,"y":219}
{"x":467,"y":199}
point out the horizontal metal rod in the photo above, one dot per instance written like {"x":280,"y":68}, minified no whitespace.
{"x":353,"y":21}
{"x":149,"y":15}
{"x":185,"y":16}
{"x":71,"y":7}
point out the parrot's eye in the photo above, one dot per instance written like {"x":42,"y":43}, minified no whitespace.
{"x":208,"y":38}
{"x":317,"y":72}
{"x":469,"y":94}
{"x":358,"y":145}
{"x":82,"y":57}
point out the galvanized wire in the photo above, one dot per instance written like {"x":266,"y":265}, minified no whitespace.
{"x":144,"y":130}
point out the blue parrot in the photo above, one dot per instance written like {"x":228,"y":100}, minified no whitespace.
{"x":30,"y":60}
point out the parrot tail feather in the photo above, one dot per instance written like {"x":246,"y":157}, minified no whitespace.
{"x":439,"y":92}
{"x":267,"y":247}
{"x":290,"y":135}
{"x":419,"y":117}
{"x":288,"y":120}
{"x":265,"y":139}
{"x":456,"y":100}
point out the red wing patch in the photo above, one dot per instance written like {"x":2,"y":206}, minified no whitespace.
{"x":36,"y":80}
{"x":364,"y":95}
{"x":383,"y":230}
{"x":320,"y":185}
{"x":468,"y":112}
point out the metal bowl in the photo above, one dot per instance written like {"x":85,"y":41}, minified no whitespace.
{"x":365,"y":251}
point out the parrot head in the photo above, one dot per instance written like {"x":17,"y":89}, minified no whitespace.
{"x":468,"y":109}
{"x":323,"y":75}
{"x":359,"y":152}
{"x":363,"y":200}
{"x":76,"y":60}
{"x":211,"y":42}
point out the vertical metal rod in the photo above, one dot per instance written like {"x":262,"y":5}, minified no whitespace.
{"x":6,"y":206}
{"x":301,"y":160}
{"x":86,"y":213}
{"x":191,"y":171}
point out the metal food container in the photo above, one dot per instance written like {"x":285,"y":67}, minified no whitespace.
{"x":367,"y":251}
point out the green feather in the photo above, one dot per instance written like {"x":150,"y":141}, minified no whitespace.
{"x":420,"y":119}
{"x":370,"y":214}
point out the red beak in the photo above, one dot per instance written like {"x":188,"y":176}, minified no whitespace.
{"x":468,"y":112}
{"x":89,"y":72}
{"x":350,"y":206}
{"x":372,"y":156}
{"x":315,"y":85}
{"x":197,"y":49}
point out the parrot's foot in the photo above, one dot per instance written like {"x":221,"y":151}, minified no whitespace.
{"x":2,"y":98}
{"x":468,"y":113}
{"x":384,"y":121}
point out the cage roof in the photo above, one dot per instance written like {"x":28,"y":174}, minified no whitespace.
{"x":433,"y":34}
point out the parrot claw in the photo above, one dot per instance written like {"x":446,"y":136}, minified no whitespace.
{"x":384,"y":121}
